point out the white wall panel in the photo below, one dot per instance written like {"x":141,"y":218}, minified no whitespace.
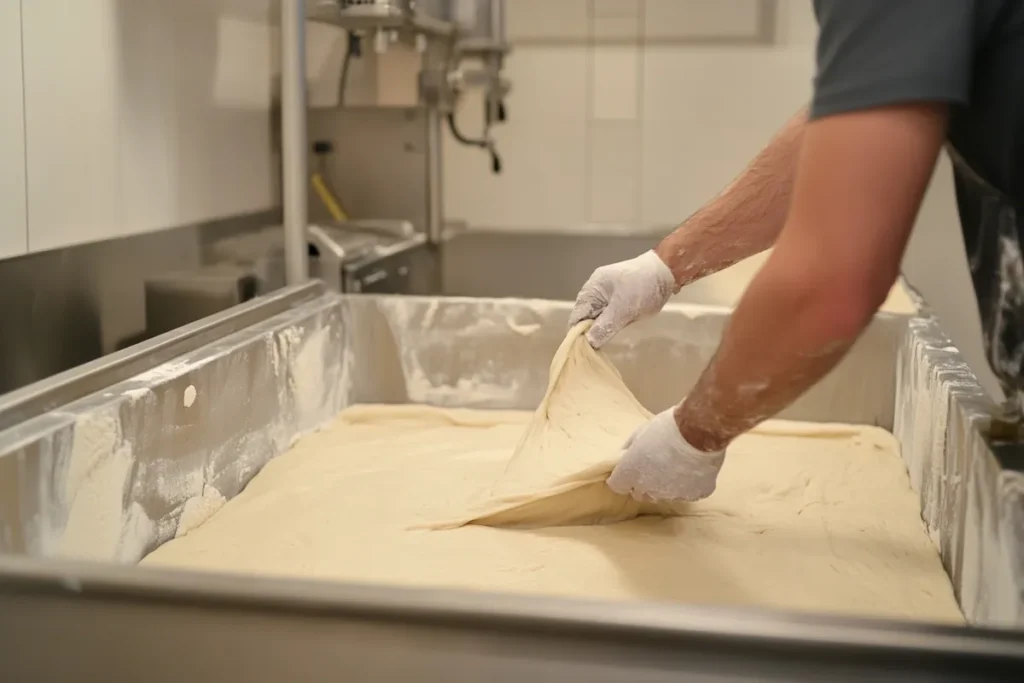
{"x":680,"y":20}
{"x":616,"y":21}
{"x":795,"y":23}
{"x":544,"y":162}
{"x":13,"y":237}
{"x":149,"y":140}
{"x":707,"y":112}
{"x":222,"y":100}
{"x":71,"y":54}
{"x":615,"y":82}
{"x":614,"y":173}
{"x":699,"y":101}
{"x":546,"y":20}
{"x":145,"y":114}
{"x":549,"y":83}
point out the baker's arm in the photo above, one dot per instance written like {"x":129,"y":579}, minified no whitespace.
{"x":860,"y":182}
{"x":744,"y":219}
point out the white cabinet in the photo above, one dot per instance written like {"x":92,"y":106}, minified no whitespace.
{"x":71,"y":58}
{"x":145,"y":114}
{"x":13,"y":238}
{"x":222,"y":103}
{"x":71,"y":108}
{"x":194,"y":103}
{"x":148,"y":147}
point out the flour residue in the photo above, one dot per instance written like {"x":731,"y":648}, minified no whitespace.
{"x":469,"y":392}
{"x":166,"y":371}
{"x":426,"y":333}
{"x":199,"y":509}
{"x":95,"y":487}
{"x":308,"y":371}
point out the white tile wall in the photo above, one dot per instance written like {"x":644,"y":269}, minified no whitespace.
{"x":615,"y":81}
{"x":616,"y":21}
{"x":547,"y":20}
{"x":544,"y":183}
{"x":546,"y":165}
{"x":614,"y":172}
{"x":145,"y":114}
{"x":13,"y":237}
{"x":795,"y":23}
{"x":549,"y":83}
{"x":720,"y":20}
{"x":672,"y":95}
{"x":707,"y":111}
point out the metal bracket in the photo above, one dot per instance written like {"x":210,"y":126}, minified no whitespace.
{"x":332,"y":256}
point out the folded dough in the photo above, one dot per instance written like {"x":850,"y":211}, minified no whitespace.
{"x":557,"y":473}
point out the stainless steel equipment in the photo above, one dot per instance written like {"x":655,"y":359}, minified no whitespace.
{"x":381,"y":16}
{"x":481,"y":51}
{"x":251,"y":394}
{"x":370,"y":256}
{"x":458,"y":45}
{"x":177,"y":298}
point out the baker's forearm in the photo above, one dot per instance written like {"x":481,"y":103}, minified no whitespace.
{"x":790,"y":329}
{"x":861,"y":180}
{"x":745,"y":218}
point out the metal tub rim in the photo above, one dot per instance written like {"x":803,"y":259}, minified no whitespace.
{"x":505,"y":611}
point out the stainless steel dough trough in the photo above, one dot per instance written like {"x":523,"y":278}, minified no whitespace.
{"x":100,"y":465}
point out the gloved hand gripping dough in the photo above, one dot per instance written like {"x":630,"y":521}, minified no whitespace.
{"x":557,"y":473}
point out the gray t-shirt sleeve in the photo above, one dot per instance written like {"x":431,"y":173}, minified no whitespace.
{"x":879,"y":52}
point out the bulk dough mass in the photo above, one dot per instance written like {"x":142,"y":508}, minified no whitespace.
{"x":806,"y":516}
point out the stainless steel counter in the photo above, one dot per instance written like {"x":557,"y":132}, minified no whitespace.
{"x":106,"y":477}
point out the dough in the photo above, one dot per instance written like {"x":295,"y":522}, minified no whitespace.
{"x":806,"y":517}
{"x":557,"y":474}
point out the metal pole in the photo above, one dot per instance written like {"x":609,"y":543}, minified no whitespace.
{"x":294,"y":140}
{"x":435,"y":189}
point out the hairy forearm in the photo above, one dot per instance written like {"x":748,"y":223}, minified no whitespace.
{"x":745,"y":218}
{"x":861,"y":180}
{"x":767,"y":359}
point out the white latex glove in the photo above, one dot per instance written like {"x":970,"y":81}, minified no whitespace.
{"x":621,"y":293}
{"x":660,"y":466}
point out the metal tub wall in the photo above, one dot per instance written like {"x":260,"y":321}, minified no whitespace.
{"x":163,"y":442}
{"x":111,"y":475}
{"x":494,"y":353}
{"x":972,"y":492}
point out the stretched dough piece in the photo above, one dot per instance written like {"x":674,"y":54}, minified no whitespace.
{"x":557,"y":473}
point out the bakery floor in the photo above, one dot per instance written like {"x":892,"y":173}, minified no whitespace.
{"x":806,"y":517}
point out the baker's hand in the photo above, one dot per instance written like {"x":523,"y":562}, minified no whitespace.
{"x":621,"y":293}
{"x":659,"y":466}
